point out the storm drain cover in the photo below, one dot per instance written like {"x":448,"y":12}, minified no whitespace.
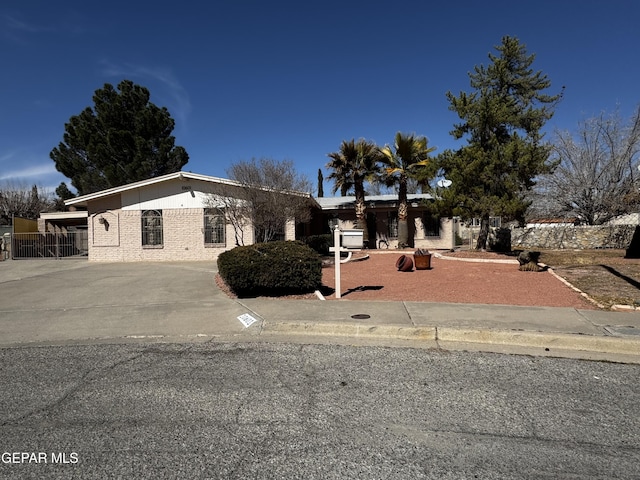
{"x":360,"y":316}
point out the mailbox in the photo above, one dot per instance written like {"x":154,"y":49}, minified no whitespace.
{"x":352,"y":239}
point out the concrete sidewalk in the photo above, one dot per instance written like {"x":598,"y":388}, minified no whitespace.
{"x":54,"y":302}
{"x":564,"y":332}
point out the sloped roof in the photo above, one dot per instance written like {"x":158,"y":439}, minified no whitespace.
{"x":336,"y":203}
{"x":82,"y":200}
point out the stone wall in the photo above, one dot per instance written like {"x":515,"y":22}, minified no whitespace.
{"x":571,"y":237}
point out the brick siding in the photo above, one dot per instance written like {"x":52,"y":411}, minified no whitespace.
{"x":183,"y":237}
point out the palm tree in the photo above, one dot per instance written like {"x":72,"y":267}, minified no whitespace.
{"x":409,"y":155}
{"x":355,"y":163}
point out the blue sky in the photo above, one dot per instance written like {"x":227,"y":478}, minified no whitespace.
{"x":292,"y":79}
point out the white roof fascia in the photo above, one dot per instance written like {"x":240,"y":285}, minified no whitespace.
{"x":171,"y":176}
{"x":64,"y":215}
{"x":143,"y":183}
{"x":334,"y":203}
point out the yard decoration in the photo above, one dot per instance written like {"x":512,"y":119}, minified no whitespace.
{"x":422,"y":259}
{"x":404,"y":263}
{"x":529,"y":261}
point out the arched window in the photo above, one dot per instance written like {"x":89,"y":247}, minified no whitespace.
{"x":152,"y":228}
{"x":214,"y":226}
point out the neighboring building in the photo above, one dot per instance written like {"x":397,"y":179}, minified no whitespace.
{"x":552,"y":222}
{"x":425,"y":229}
{"x":628,"y":219}
{"x":177,"y":216}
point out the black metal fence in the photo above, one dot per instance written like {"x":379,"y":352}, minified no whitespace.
{"x":50,"y":245}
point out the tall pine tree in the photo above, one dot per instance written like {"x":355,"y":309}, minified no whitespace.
{"x":502,"y":119}
{"x":124,"y":138}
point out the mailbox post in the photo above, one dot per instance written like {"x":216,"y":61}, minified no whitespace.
{"x":344,"y":241}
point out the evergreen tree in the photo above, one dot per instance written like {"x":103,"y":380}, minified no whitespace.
{"x":320,"y":184}
{"x":501,"y":121}
{"x":124,"y":138}
{"x":63,"y":192}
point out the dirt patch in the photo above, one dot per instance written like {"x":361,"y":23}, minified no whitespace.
{"x":606,"y":276}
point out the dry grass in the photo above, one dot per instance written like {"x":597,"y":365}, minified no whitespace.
{"x":605,"y":275}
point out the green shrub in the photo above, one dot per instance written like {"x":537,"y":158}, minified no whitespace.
{"x":500,"y":240}
{"x":273,"y":269}
{"x":320,"y":243}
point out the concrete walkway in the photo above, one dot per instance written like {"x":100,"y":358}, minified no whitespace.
{"x":74,"y":301}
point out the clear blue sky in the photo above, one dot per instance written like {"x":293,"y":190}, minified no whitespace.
{"x":292,"y":79}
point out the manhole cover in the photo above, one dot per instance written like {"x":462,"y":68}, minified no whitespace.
{"x":360,"y":316}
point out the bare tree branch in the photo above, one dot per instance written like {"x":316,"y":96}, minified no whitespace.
{"x":596,"y":178}
{"x":22,"y":201}
{"x":269,"y":193}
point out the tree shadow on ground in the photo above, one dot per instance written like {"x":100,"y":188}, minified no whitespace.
{"x":629,"y":280}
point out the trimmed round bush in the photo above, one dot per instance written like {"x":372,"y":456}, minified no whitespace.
{"x":272,"y":269}
{"x":320,"y":243}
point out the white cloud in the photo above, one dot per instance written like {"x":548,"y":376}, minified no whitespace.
{"x":179,"y":103}
{"x":29,"y":172}
{"x":14,"y":23}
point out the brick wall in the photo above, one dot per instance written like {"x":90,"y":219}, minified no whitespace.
{"x":183,"y":237}
{"x":290,"y":230}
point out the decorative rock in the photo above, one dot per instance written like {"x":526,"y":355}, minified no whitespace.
{"x":529,"y":261}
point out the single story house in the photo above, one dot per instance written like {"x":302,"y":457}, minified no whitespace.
{"x":181,"y":216}
{"x":426,"y":230}
{"x":178,"y":216}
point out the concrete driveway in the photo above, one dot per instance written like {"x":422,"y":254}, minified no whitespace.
{"x":64,"y":300}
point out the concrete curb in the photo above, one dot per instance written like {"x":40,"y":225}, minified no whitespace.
{"x":525,"y":339}
{"x":556,"y":341}
{"x":350,"y":330}
{"x":476,"y":260}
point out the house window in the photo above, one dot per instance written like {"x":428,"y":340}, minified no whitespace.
{"x":333,"y":222}
{"x":431,"y":225}
{"x":392,"y":224}
{"x":494,"y":222}
{"x":152,"y":228}
{"x":214,"y":227}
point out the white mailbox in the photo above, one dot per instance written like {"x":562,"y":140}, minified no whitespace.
{"x":352,"y":239}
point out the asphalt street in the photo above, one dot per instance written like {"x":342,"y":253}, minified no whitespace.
{"x":267,"y":411}
{"x":85,"y":394}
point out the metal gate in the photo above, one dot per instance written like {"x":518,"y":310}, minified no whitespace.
{"x":50,"y":245}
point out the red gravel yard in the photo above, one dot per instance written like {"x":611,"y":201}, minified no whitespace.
{"x":452,"y":281}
